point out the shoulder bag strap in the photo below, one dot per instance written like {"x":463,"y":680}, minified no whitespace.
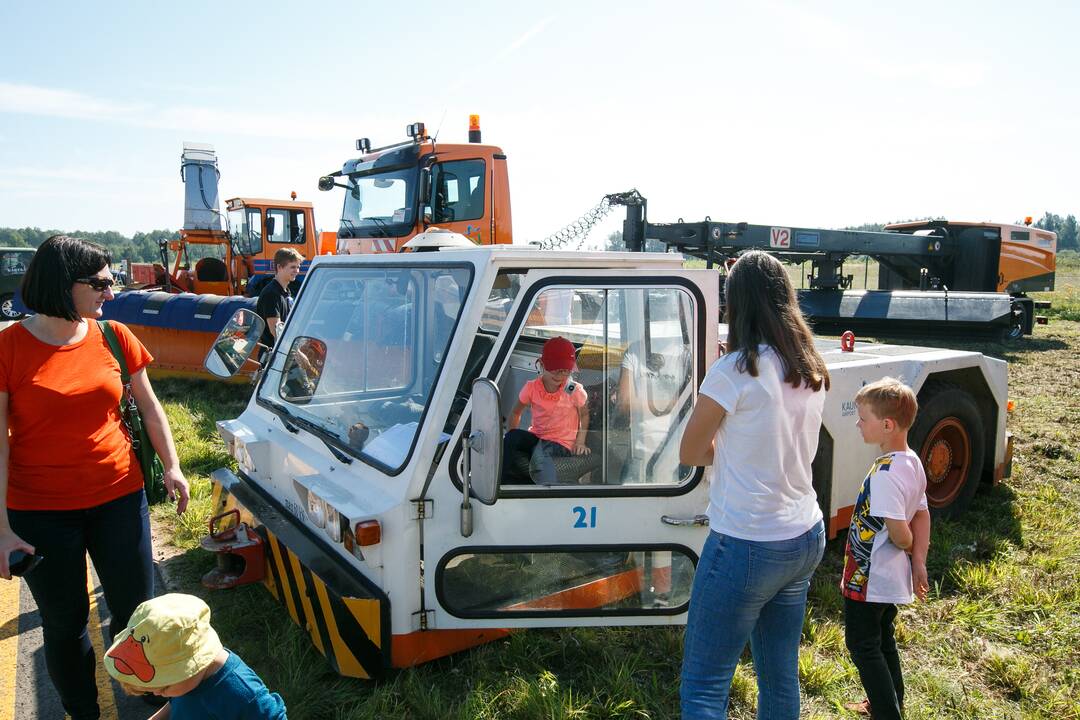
{"x":114,"y":346}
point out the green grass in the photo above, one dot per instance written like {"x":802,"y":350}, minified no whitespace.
{"x":999,"y":637}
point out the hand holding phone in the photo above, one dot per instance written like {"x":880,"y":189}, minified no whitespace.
{"x":20,"y":563}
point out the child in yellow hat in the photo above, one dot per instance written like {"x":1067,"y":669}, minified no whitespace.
{"x":169,"y":649}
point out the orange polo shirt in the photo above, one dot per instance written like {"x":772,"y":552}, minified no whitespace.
{"x":68,"y":449}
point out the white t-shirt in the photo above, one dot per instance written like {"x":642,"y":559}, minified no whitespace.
{"x":762,"y":486}
{"x":875,"y":570}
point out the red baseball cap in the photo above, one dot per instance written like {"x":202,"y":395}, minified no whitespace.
{"x":558,"y":354}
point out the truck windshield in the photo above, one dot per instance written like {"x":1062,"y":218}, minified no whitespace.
{"x":361,"y":354}
{"x":380,"y":204}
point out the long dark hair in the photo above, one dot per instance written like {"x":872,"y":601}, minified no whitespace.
{"x":762,"y":309}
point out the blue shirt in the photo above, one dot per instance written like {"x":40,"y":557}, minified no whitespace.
{"x":234,"y":692}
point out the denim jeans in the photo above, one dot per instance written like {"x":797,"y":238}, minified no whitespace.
{"x":746,"y":590}
{"x":527,"y":458}
{"x":870,"y":637}
{"x":117,"y":536}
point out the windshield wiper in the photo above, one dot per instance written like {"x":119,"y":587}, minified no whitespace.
{"x":334,"y":451}
{"x":293,"y":425}
{"x":381,"y":224}
{"x":351,"y":227}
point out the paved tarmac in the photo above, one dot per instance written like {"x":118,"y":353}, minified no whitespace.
{"x":26,"y":693}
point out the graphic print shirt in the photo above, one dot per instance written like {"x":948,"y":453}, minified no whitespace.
{"x":876,"y":570}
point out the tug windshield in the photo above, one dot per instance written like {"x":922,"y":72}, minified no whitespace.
{"x":361,"y":354}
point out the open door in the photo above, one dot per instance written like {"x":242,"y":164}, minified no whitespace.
{"x":615,"y":540}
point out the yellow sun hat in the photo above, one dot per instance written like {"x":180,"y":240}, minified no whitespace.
{"x":167,"y":640}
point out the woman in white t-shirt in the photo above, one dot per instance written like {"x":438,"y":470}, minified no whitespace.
{"x":756,"y":424}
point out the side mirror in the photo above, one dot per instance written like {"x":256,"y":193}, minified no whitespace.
{"x":326,"y":183}
{"x":271,"y":221}
{"x":483,"y":452}
{"x":485,"y":441}
{"x":235,"y":344}
{"x":303,"y":369}
{"x":425,"y":186}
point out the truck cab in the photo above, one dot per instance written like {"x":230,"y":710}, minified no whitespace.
{"x":396,"y":192}
{"x":356,"y":454}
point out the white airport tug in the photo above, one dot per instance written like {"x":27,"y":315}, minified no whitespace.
{"x":369,"y":482}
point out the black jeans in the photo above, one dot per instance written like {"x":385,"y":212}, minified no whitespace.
{"x":869,"y":634}
{"x":117,"y":536}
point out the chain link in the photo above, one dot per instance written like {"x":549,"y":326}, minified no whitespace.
{"x":579,"y":229}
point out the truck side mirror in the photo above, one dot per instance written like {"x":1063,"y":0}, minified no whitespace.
{"x":271,"y":221}
{"x":485,"y":441}
{"x":326,"y":183}
{"x":235,"y":344}
{"x":425,"y":186}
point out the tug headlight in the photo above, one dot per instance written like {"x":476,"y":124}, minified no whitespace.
{"x":316,"y":508}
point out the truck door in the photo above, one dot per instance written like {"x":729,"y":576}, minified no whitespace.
{"x":615,"y":539}
{"x":460,"y":200}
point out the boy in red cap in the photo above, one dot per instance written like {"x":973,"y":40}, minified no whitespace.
{"x":560,"y":418}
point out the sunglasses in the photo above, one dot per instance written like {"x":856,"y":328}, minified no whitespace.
{"x":97,"y":283}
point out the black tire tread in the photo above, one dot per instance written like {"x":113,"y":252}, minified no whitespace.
{"x":932,"y":409}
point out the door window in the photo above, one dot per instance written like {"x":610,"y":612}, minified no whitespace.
{"x":14,"y":263}
{"x":288,"y":225}
{"x":457,"y":191}
{"x":634,"y":353}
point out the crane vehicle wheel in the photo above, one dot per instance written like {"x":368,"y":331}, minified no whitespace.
{"x":949,"y":438}
{"x":7,"y":308}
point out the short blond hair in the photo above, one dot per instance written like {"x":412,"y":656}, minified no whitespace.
{"x":889,"y":398}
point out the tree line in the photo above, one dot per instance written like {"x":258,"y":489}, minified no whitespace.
{"x":140,"y":247}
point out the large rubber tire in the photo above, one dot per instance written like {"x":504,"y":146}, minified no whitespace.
{"x":949,"y":436}
{"x":7,"y":308}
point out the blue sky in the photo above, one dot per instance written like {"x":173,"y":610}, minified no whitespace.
{"x":809,"y":114}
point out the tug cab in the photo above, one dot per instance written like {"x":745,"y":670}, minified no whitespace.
{"x":369,"y":457}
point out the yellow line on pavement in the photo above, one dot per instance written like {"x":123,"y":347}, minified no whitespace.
{"x":106,"y":699}
{"x":9,"y":645}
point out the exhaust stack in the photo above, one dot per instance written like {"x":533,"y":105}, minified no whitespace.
{"x":199,"y":171}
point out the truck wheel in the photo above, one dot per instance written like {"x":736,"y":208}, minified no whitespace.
{"x":7,"y":308}
{"x":948,"y":436}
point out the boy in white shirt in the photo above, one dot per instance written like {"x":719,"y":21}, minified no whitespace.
{"x":885,"y":555}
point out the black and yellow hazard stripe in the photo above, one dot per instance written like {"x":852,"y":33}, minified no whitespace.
{"x":348,"y":622}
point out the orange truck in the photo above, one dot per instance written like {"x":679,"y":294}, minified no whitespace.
{"x":398,"y":191}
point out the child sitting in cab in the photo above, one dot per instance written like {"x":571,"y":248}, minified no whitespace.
{"x":170,"y":650}
{"x":560,"y":418}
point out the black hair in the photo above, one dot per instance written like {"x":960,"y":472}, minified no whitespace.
{"x":57,"y":264}
{"x":762,"y":309}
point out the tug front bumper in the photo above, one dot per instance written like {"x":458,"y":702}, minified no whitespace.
{"x":347,"y":617}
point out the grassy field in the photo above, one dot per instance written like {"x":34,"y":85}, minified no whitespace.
{"x":998,"y":638}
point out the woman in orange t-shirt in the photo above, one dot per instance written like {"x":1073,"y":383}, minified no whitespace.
{"x":69,"y":481}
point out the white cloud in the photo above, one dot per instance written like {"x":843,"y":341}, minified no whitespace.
{"x":942,"y":74}
{"x":77,"y":174}
{"x":54,"y":102}
{"x":34,"y":100}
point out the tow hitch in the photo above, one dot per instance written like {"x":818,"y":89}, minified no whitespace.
{"x":240,"y":553}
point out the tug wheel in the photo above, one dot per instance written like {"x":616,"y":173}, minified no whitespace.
{"x":949,"y":437}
